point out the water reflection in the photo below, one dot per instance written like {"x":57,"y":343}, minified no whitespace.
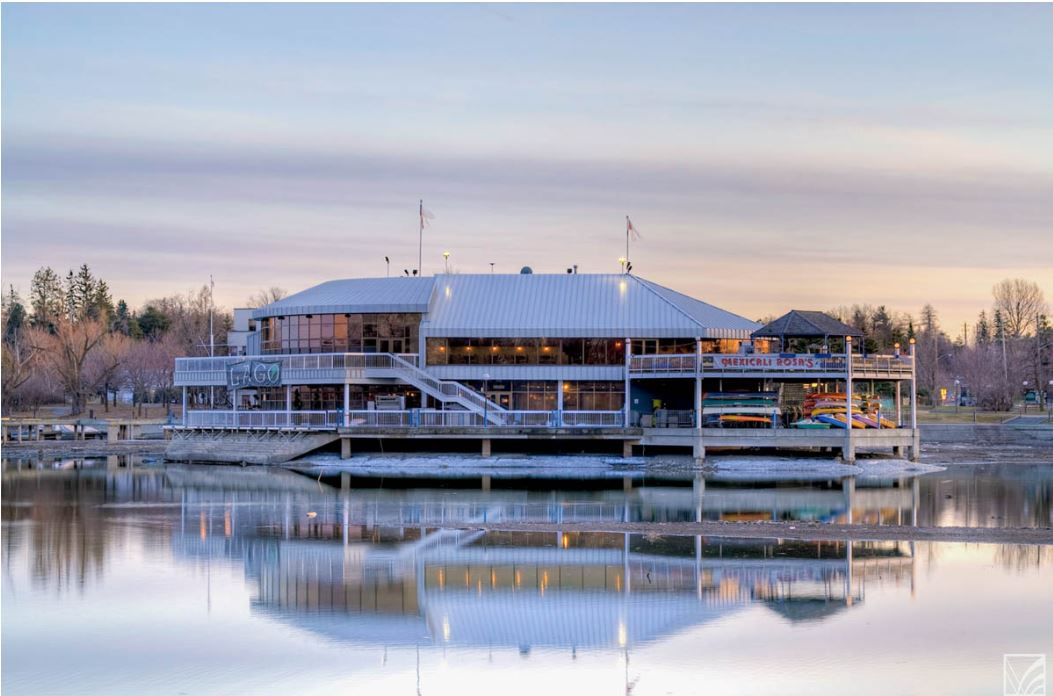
{"x":281,"y":562}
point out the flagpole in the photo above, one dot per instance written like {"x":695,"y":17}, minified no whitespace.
{"x":420,"y":240}
{"x":626,"y":240}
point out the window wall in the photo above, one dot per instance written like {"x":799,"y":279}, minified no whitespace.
{"x":330,"y":397}
{"x":525,"y":351}
{"x":593,"y":396}
{"x":340,"y":333}
{"x":541,"y":395}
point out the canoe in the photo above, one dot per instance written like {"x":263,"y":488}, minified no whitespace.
{"x":745,"y":419}
{"x":830,"y":420}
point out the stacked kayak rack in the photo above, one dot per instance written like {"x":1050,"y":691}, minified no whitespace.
{"x":740,"y":409}
{"x":829,"y":409}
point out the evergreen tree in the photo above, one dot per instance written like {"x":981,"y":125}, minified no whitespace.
{"x":153,"y":322}
{"x":46,"y":298}
{"x":983,"y":330}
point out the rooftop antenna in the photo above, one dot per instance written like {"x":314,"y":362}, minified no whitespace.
{"x":388,"y":262}
{"x":575,"y":269}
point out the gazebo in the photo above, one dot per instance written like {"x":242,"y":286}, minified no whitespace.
{"x":807,"y":326}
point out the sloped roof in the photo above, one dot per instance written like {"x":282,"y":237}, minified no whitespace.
{"x":524,"y":305}
{"x":595,"y":305}
{"x":800,"y":323}
{"x":355,"y":295}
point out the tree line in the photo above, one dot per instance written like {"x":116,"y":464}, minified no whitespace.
{"x":69,"y":342}
{"x":991,"y":359}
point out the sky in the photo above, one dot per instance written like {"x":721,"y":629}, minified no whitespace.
{"x":771,"y":156}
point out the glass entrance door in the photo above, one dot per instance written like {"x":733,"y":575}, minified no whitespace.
{"x":501,"y":398}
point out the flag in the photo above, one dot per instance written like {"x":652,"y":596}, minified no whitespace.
{"x":425,"y":215}
{"x":630,"y":230}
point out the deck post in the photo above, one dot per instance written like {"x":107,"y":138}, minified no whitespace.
{"x":915,"y":454}
{"x":288,"y":405}
{"x":628,"y":387}
{"x":848,"y":452}
{"x":184,"y":407}
{"x":347,"y":405}
{"x":698,"y":386}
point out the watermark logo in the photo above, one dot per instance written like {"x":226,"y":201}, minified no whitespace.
{"x":1023,"y":674}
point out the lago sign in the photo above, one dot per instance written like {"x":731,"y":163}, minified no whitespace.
{"x":254,"y":373}
{"x":766,"y":362}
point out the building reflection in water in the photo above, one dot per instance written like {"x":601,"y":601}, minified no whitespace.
{"x":379,"y":567}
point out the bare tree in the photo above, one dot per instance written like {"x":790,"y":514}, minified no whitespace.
{"x":1020,"y":303}
{"x":20,"y":358}
{"x":66,"y":352}
{"x":150,"y":368}
{"x":104,"y":364}
{"x":265,"y":297}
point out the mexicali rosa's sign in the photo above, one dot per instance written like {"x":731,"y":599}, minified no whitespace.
{"x":766,"y":362}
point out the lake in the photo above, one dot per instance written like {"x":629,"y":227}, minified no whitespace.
{"x":125,"y":577}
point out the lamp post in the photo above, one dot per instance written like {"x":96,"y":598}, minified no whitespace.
{"x":957,"y":394}
{"x":446,"y":261}
{"x":622,"y":261}
{"x":486,"y":400}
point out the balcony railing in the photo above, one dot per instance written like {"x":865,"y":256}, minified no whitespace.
{"x":311,"y":420}
{"x":416,"y":418}
{"x":771,"y":363}
{"x":334,"y":366}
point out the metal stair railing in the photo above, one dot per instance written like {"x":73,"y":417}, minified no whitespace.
{"x":445,"y":390}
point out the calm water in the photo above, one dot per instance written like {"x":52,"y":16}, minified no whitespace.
{"x":188,"y":580}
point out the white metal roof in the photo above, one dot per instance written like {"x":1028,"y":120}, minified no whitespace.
{"x":355,"y":295}
{"x":525,"y":306}
{"x":593,"y":305}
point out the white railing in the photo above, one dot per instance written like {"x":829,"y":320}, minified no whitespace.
{"x":881,"y":363}
{"x":306,"y":361}
{"x":662,"y":363}
{"x":593,"y":419}
{"x":321,"y":420}
{"x":415,"y":418}
{"x":734,"y":363}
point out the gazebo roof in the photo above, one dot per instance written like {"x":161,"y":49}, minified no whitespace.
{"x":800,"y":323}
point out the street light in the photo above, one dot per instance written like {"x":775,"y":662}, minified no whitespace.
{"x":622,"y":261}
{"x":486,"y":399}
{"x":957,"y":394}
{"x":446,"y":260}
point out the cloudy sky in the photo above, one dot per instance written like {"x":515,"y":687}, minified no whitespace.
{"x":771,"y":156}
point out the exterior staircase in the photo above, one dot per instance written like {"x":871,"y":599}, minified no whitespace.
{"x":446,"y":391}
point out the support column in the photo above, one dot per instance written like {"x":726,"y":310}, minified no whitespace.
{"x":698,"y":448}
{"x":347,"y":405}
{"x":288,"y":404}
{"x":234,"y":400}
{"x":345,"y":449}
{"x":627,"y":449}
{"x":899,"y":403}
{"x":184,"y":406}
{"x":915,"y":450}
{"x":848,"y":451}
{"x":628,"y":386}
{"x":486,"y":447}
{"x":559,"y":403}
{"x":486,"y":482}
{"x":698,"y":386}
